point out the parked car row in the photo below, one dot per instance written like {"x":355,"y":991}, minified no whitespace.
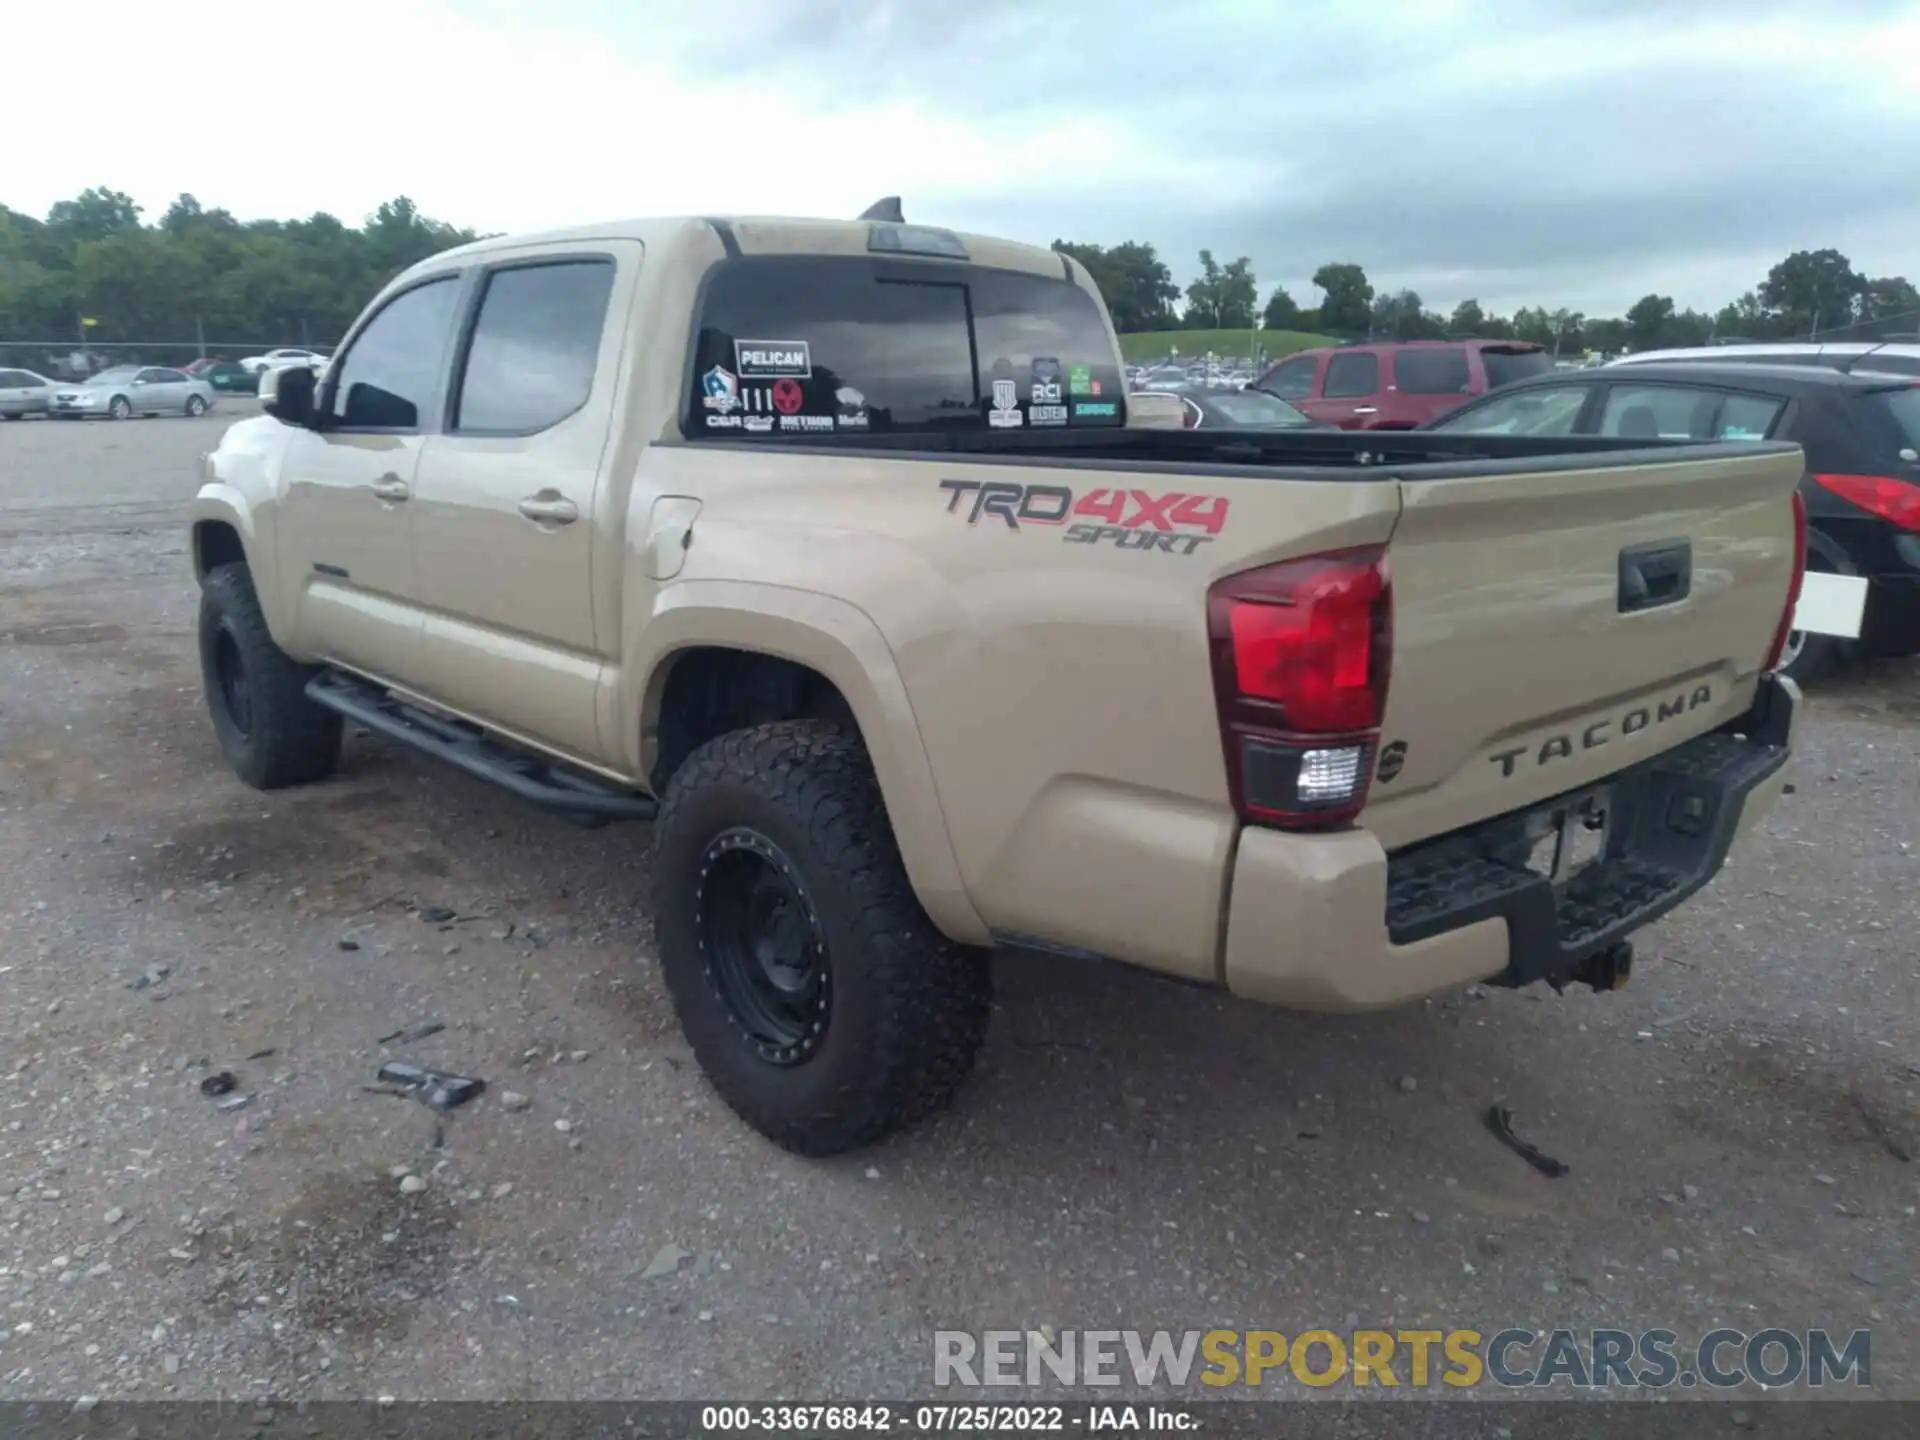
{"x":127,"y":390}
{"x":1860,"y":431}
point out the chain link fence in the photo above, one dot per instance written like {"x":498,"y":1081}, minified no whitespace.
{"x":69,"y":360}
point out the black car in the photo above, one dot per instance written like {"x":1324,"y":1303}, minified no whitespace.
{"x":1860,"y":432}
{"x":229,"y":376}
{"x":1234,"y":409}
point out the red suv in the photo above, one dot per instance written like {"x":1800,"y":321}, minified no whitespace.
{"x":1400,"y":384}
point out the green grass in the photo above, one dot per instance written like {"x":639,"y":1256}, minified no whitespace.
{"x":1152,"y":344}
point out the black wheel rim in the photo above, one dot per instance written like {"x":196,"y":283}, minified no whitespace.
{"x":763,"y":946}
{"x":230,"y":676}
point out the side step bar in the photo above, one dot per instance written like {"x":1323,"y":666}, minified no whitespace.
{"x":579,"y":797}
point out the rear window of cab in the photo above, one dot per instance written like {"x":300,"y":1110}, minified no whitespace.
{"x":821,"y":345}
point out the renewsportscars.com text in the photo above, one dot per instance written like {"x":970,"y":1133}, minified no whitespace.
{"x":1598,"y":1358}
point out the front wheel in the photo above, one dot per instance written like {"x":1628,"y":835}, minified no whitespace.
{"x":819,"y":999}
{"x":271,"y":733}
{"x":196,"y":407}
{"x":120,"y":408}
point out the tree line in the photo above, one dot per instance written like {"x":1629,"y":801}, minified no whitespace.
{"x":1810,"y":292}
{"x":198,"y":272}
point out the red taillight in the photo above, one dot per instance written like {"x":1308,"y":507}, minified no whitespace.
{"x":1785,"y":627}
{"x":1893,"y":500}
{"x":1301,"y":654}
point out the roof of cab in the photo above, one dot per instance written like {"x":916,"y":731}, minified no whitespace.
{"x":762,"y":235}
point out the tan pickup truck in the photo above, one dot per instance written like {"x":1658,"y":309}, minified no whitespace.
{"x":828,"y":548}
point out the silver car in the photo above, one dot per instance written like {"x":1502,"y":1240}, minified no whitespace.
{"x":24,"y":393}
{"x":133,"y":390}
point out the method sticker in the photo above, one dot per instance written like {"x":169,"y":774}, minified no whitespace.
{"x":773,"y":359}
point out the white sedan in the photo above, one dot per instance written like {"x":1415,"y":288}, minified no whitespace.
{"x":275,"y":359}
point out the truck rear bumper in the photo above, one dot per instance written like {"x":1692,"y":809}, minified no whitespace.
{"x":1334,"y":923}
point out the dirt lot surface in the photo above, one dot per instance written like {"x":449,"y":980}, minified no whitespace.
{"x":1739,"y":1121}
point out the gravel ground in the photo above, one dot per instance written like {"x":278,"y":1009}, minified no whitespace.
{"x":1130,"y":1154}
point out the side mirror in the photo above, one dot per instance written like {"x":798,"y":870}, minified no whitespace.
{"x":287,"y":393}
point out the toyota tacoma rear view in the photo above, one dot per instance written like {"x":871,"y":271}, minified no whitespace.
{"x":832,"y":550}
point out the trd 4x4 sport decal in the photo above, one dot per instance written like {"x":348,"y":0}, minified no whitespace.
{"x":1173,"y":523}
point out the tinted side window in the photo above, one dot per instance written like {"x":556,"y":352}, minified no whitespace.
{"x":1659,"y":412}
{"x":1431,"y":372}
{"x":1747,"y":417}
{"x":1547,"y":410}
{"x":818,"y":344}
{"x":1503,"y":367}
{"x":168,"y":377}
{"x":392,"y":373}
{"x":1292,"y":379}
{"x":530,"y":363}
{"x":1352,"y":375}
{"x":13,"y":379}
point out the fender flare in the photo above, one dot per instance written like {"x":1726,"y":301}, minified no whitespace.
{"x":841,"y":642}
{"x":219,"y":503}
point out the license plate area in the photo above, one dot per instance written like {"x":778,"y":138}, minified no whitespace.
{"x":1564,"y":839}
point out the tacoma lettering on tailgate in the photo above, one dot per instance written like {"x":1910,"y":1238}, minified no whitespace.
{"x":1562,"y":746}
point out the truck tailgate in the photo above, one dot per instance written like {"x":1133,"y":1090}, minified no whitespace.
{"x":1553,"y":625}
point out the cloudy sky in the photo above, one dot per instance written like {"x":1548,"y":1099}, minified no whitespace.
{"x":1560,"y":152}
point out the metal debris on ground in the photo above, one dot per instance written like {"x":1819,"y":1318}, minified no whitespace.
{"x":1500,"y":1121}
{"x":266,"y":1054}
{"x":438,"y":1089}
{"x":407,"y":1034}
{"x":221,"y":1082}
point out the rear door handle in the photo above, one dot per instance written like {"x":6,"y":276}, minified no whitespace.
{"x":391,"y":488}
{"x":550,"y":508}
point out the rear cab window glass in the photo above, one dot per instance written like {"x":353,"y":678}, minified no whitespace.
{"x":845,"y":344}
{"x":1503,"y":367}
{"x":1350,"y":375}
{"x":530,"y":363}
{"x":1431,"y":372}
{"x":1660,"y":412}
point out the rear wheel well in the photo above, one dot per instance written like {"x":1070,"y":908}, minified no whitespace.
{"x":712,"y":691}
{"x":216,"y":543}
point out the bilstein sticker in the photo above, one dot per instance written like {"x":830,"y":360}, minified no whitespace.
{"x":773,"y":359}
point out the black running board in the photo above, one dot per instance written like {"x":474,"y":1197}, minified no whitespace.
{"x":520,"y":772}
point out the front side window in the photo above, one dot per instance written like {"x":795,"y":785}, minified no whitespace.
{"x":825,"y":344}
{"x":535,"y":346}
{"x":1258,"y":410}
{"x":1432,"y":372}
{"x":1549,"y":410}
{"x":1351,"y":375}
{"x":1292,"y":379}
{"x":392,"y":373}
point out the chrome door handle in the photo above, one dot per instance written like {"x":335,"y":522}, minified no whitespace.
{"x":391,"y":488}
{"x":1366,"y":410}
{"x":548,"y":508}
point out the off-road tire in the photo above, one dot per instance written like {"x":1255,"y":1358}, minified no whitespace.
{"x":282,"y":738}
{"x":907,"y":1008}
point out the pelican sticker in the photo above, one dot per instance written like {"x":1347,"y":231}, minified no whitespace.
{"x":773,"y":359}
